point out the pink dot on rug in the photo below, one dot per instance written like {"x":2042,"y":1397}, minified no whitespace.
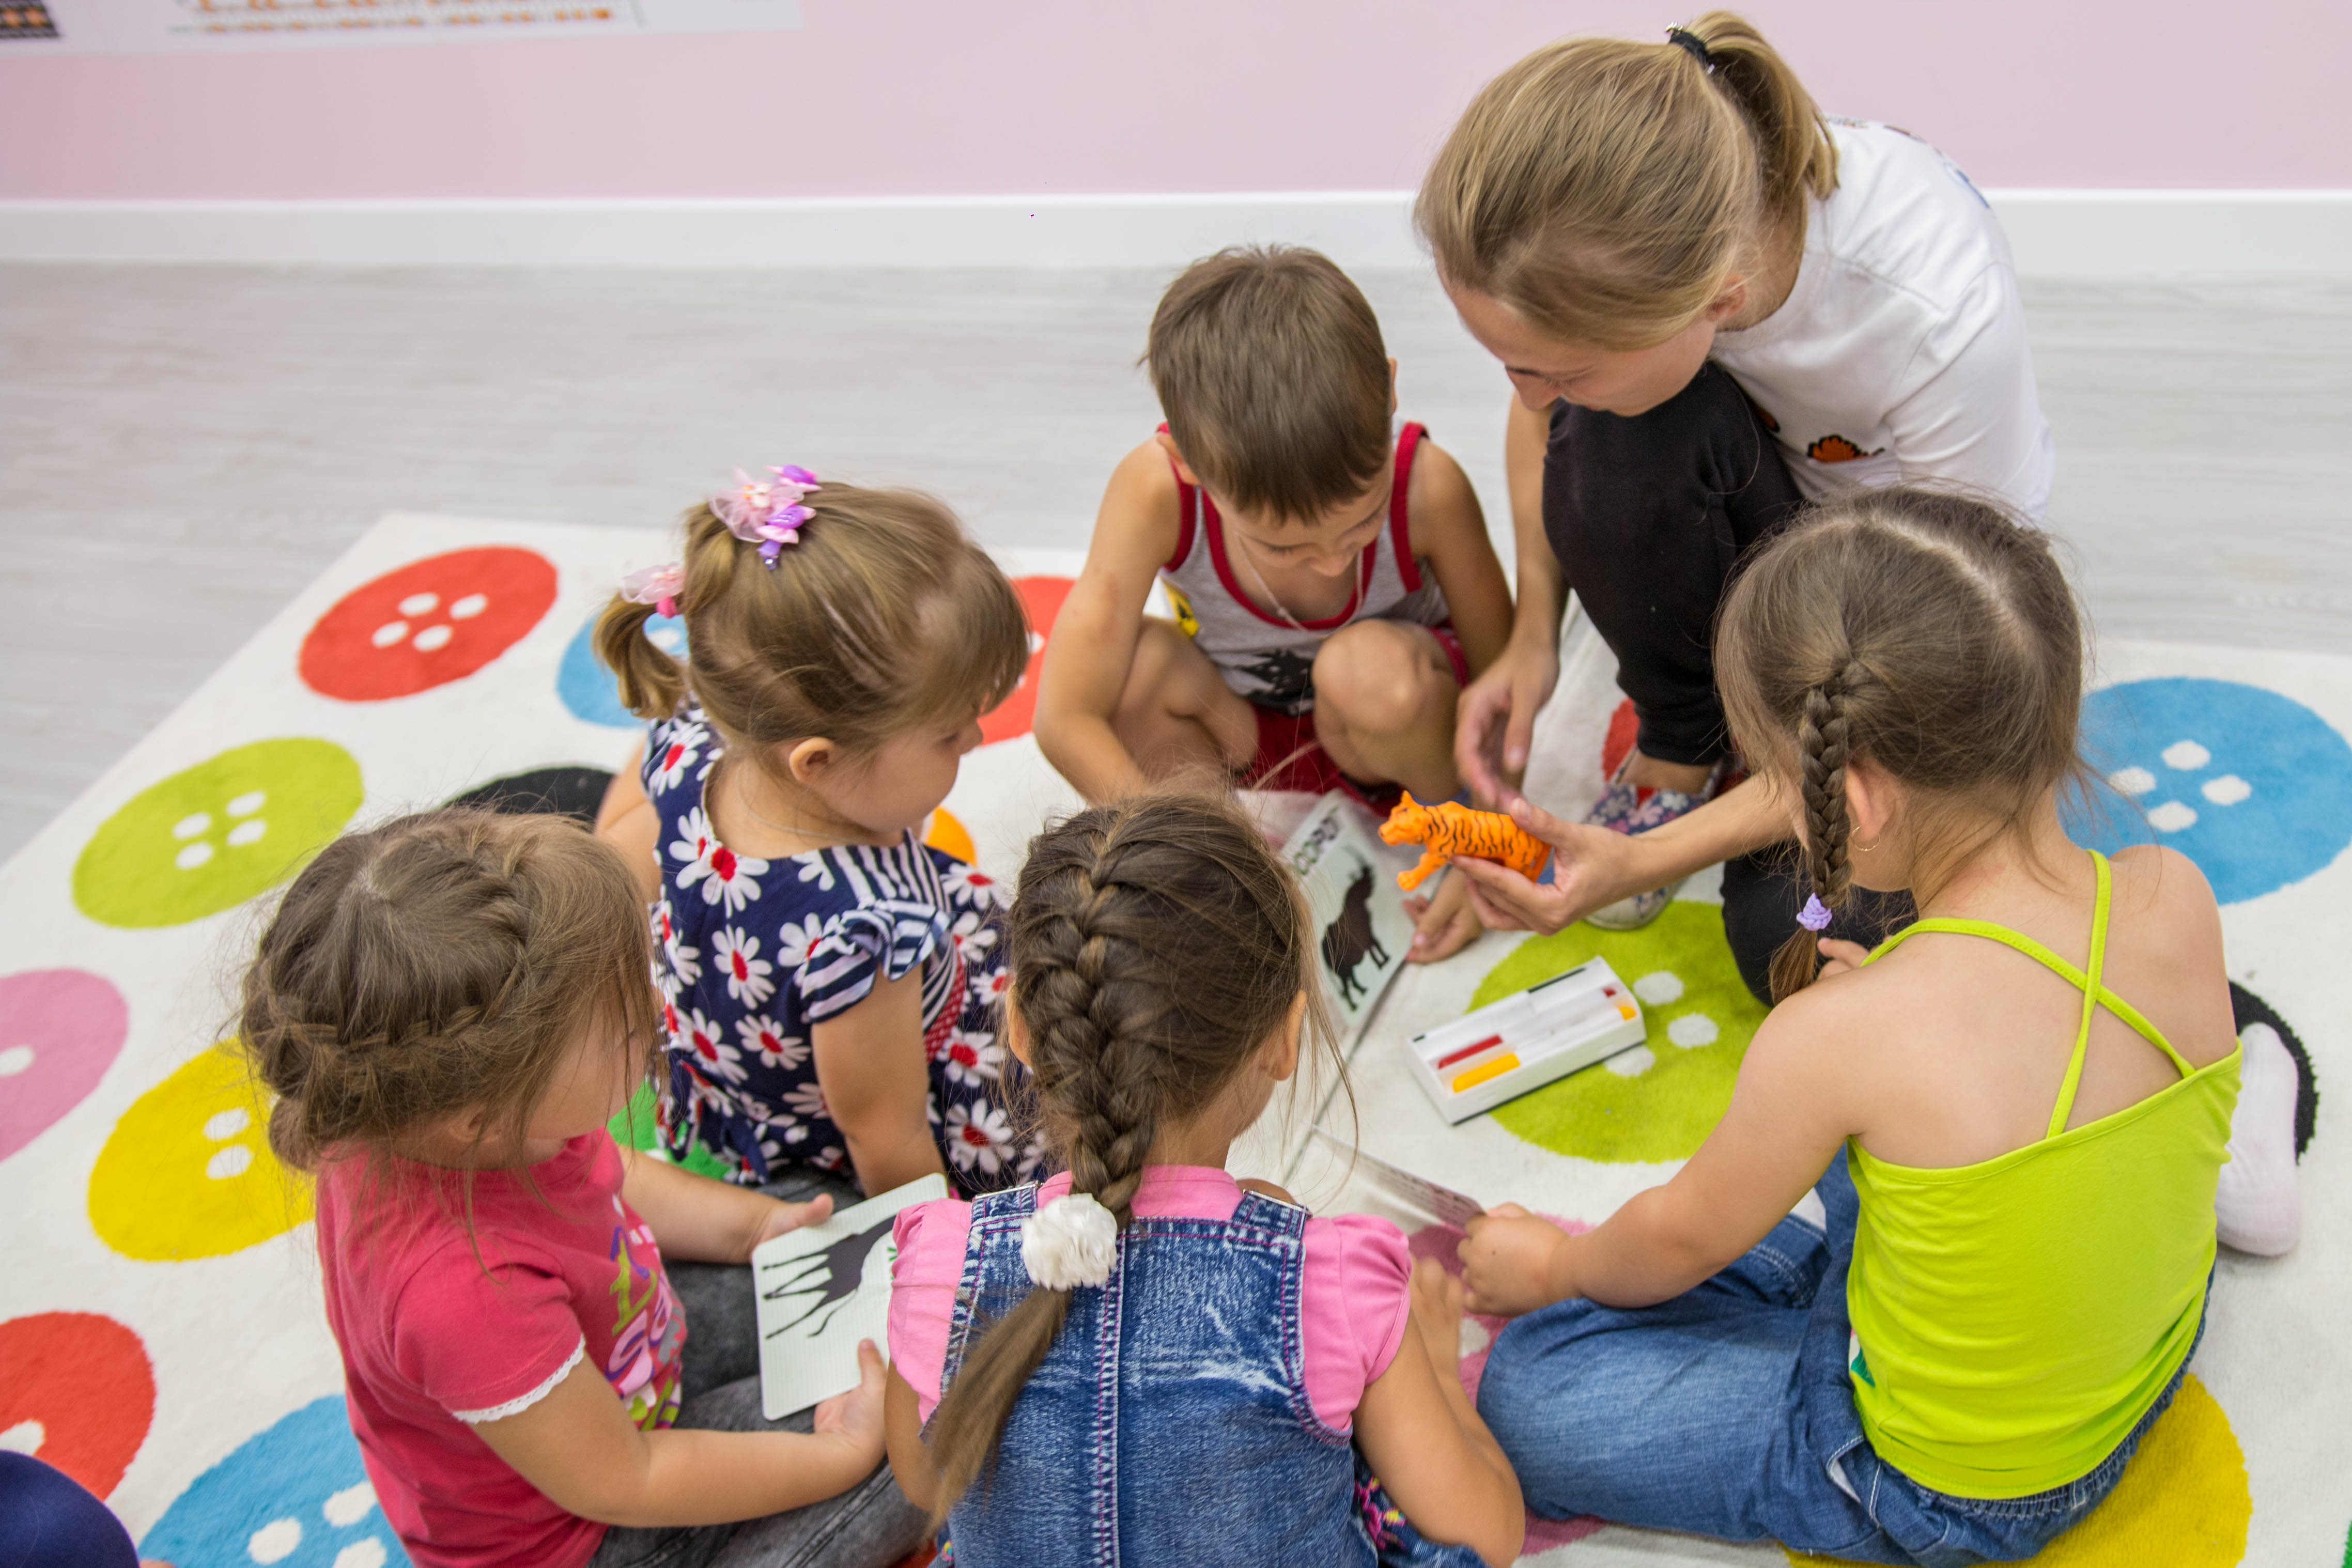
{"x":1441,"y":1242}
{"x":59,"y":1031}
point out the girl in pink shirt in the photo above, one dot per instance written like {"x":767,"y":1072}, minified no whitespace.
{"x":449,"y":1008}
{"x":1142,"y":1360}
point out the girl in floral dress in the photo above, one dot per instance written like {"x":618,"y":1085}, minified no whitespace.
{"x":833,"y":984}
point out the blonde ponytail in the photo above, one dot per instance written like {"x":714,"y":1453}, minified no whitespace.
{"x":651,"y":682}
{"x":1796,"y":157}
{"x":1605,"y":190}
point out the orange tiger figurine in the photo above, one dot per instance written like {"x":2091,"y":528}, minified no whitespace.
{"x":1454,"y":828}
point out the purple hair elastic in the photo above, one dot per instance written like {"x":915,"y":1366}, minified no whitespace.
{"x":768,"y":512}
{"x":1815,"y":915}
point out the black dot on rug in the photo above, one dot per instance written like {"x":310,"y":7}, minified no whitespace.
{"x":2248,"y":1009}
{"x":565,"y":791}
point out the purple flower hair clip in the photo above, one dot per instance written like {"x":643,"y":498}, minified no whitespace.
{"x":1815,"y":915}
{"x":658,"y":586}
{"x":767,"y":512}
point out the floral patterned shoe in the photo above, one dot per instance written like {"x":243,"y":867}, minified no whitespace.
{"x":1632,"y":808}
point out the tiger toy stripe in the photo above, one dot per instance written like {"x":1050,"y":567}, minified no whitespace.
{"x":1451,"y":828}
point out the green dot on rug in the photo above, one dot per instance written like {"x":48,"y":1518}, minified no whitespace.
{"x":635,"y":1127}
{"x":1658,"y":1101}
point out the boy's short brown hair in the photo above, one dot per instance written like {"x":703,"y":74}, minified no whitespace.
{"x":1270,"y":369}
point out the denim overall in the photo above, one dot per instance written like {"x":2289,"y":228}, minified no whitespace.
{"x":1169,"y":1423}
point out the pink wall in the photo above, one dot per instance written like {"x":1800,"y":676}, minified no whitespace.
{"x":955,"y":98}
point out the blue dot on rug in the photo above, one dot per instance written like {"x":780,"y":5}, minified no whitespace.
{"x":2253,"y":787}
{"x":587,"y":687}
{"x":296,"y":1496}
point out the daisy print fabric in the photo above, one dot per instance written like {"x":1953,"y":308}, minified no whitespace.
{"x":750,"y":953}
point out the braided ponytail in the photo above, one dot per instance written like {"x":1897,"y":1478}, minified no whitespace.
{"x":1156,"y":945}
{"x":1824,"y":742}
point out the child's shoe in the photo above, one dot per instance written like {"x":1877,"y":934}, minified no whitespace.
{"x":1632,"y":808}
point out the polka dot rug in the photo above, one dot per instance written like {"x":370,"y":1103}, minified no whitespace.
{"x":161,"y":1334}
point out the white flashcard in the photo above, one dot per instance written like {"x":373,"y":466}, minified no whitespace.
{"x":822,"y":1288}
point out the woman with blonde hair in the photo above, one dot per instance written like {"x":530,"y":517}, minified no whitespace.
{"x":1714,"y":304}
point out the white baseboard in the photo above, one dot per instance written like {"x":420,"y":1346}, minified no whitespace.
{"x":2147,"y":234}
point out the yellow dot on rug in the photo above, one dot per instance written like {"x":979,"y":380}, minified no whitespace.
{"x":188,"y":1172}
{"x":948,"y":836}
{"x":2182,"y":1500}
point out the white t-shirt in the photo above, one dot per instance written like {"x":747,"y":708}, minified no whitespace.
{"x":1900,"y":353}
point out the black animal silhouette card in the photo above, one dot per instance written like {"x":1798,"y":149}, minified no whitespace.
{"x":822,"y":1288}
{"x":1361,"y":930}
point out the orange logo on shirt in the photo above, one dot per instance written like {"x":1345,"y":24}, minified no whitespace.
{"x":1837,"y":449}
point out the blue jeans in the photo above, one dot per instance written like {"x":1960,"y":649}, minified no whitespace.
{"x":1728,"y":1411}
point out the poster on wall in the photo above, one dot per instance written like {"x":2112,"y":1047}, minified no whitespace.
{"x":153,"y":27}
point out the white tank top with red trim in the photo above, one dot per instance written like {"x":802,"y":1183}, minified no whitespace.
{"x":1263,"y":655}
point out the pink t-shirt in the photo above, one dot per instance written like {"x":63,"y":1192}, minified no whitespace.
{"x":436,"y":1341}
{"x":1354,"y":1301}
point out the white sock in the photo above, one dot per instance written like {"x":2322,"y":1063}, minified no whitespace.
{"x":2258,"y":1208}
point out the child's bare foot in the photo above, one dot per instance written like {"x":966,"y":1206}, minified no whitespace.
{"x":1437,"y":1313}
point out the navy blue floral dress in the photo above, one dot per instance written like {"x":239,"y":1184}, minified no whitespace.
{"x":751,"y":953}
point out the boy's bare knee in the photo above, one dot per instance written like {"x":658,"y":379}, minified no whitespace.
{"x":1375,"y":678}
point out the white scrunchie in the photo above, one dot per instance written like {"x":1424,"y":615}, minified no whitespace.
{"x":1071,"y":1241}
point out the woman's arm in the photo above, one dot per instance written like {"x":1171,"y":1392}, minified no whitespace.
{"x":877,"y":1083}
{"x":1092,"y":650}
{"x":1450,"y":528}
{"x":1797,"y":1099}
{"x":698,"y":1221}
{"x":1425,"y":1440}
{"x":1496,"y":720}
{"x":1594,"y":867}
{"x":628,"y":823}
{"x":579,"y":1447}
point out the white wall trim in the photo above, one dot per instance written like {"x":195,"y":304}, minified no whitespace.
{"x":2079,"y":233}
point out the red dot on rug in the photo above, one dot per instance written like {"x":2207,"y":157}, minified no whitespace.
{"x":430,"y":622}
{"x":1042,"y":597}
{"x":76,"y":1392}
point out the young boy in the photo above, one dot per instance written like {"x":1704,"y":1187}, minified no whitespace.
{"x":1332,"y":579}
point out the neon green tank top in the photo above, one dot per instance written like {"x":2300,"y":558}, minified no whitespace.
{"x":2014,"y":1319}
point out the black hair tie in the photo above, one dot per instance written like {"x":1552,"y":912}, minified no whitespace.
{"x":1692,"y":44}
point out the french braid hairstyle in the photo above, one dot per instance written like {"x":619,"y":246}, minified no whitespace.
{"x":436,"y":965}
{"x":1156,"y":944}
{"x":1927,"y":631}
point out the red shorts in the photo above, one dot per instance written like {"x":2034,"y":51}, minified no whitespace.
{"x":1289,"y":756}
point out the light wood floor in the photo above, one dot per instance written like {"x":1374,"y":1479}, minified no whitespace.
{"x":181,"y":448}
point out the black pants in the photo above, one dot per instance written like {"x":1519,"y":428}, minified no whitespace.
{"x":1649,"y":516}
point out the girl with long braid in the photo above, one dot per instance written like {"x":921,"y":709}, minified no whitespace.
{"x":2023,"y":1101}
{"x":1142,"y":1360}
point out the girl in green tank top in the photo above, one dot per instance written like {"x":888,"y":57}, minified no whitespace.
{"x":2024,"y":1099}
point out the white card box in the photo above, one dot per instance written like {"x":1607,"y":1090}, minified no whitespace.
{"x":1527,"y":1039}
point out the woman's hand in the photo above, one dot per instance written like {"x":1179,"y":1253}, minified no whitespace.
{"x":1842,"y":955}
{"x":777,"y":1216}
{"x":1494,"y":718}
{"x":1514,"y":1262}
{"x":1591,"y":867}
{"x":1443,"y":925}
{"x":854,"y":1419}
